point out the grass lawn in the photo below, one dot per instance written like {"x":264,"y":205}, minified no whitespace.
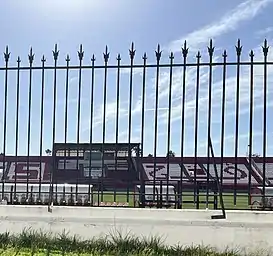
{"x":188,"y":199}
{"x":34,"y":243}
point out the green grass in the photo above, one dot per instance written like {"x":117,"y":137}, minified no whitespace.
{"x":37,"y":243}
{"x":188,"y":199}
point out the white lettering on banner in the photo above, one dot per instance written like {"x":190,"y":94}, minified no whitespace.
{"x":161,"y":171}
{"x":174,"y":171}
{"x":22,"y":171}
{"x":229,"y":172}
{"x":200,"y":172}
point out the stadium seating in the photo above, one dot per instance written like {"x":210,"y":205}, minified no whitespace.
{"x":125,"y":171}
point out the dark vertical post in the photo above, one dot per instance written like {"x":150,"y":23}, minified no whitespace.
{"x":251,"y":55}
{"x":198,"y":57}
{"x":30,"y":58}
{"x":6,"y":57}
{"x":219,"y":187}
{"x":15,"y":199}
{"x":169,"y":128}
{"x":117,"y":116}
{"x":158,"y":57}
{"x":143,"y":102}
{"x":55,"y":56}
{"x":91,"y":125}
{"x":185,"y":51}
{"x":80,"y":56}
{"x":142,"y":181}
{"x":43,"y":60}
{"x":223,"y":115}
{"x":132,"y":53}
{"x":238,"y":51}
{"x":265,"y":52}
{"x":66,"y":107}
{"x":210,"y":52}
{"x":106,"y":58}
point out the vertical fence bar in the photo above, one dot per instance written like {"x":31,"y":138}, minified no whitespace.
{"x":30,"y":58}
{"x":43,"y":60}
{"x":143,"y":102}
{"x":142,"y":181}
{"x":171,"y":57}
{"x":117,"y":116}
{"x":106,"y":58}
{"x":80,"y":56}
{"x":210,"y":52}
{"x":251,"y":55}
{"x":222,"y":145}
{"x":55,"y":57}
{"x":158,"y":57}
{"x":15,"y":199}
{"x":132,"y":53}
{"x":66,"y":107}
{"x":91,"y":125}
{"x":238,"y":52}
{"x":185,"y":51}
{"x":198,"y":57}
{"x":265,"y":52}
{"x":6,"y":57}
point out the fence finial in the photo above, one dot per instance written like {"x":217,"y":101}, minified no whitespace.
{"x":185,"y":50}
{"x":67,"y":59}
{"x":265,"y":48}
{"x":224,"y":55}
{"x":132,"y":51}
{"x":106,"y":55}
{"x":171,"y":56}
{"x":198,"y":55}
{"x":238,"y":48}
{"x":18,"y":59}
{"x":118,"y":58}
{"x":80,"y":53}
{"x":158,"y":53}
{"x":31,"y":56}
{"x":93,"y":59}
{"x":43,"y":59}
{"x":251,"y":54}
{"x":211,"y":48}
{"x":7,"y":54}
{"x":145,"y":56}
{"x":55,"y":53}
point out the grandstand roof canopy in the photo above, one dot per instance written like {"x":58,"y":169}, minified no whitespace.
{"x":96,"y":146}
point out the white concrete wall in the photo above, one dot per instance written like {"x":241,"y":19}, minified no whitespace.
{"x":245,"y":229}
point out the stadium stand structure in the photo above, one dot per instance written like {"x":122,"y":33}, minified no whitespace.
{"x":119,"y":171}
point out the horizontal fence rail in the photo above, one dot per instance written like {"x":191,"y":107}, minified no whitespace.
{"x":93,"y":132}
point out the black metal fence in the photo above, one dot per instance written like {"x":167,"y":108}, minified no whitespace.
{"x":173,"y":106}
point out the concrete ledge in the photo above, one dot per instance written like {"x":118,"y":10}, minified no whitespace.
{"x":247,"y":229}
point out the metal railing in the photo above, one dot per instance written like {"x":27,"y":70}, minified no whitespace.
{"x":35,"y":80}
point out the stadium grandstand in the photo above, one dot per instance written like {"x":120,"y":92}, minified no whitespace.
{"x":119,"y":167}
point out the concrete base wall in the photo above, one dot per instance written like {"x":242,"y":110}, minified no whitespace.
{"x":243,"y":229}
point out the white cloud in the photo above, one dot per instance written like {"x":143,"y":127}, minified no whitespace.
{"x":265,"y":31}
{"x":230,"y":22}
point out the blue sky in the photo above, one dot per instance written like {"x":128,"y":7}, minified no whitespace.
{"x":94,"y":24}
